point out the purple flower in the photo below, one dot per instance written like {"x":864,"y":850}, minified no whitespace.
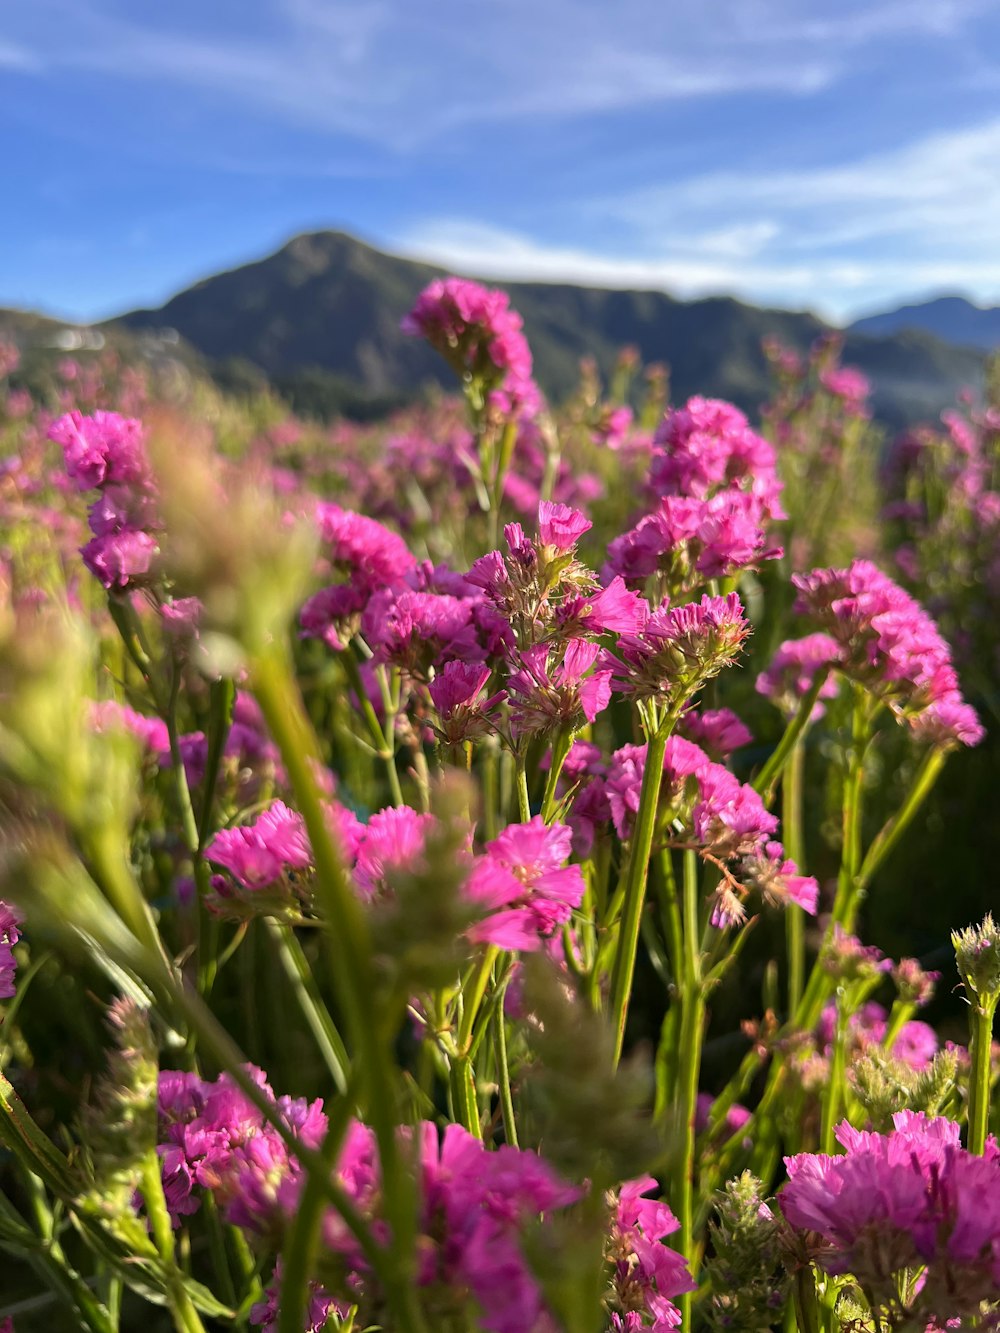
{"x":545,"y":696}
{"x":258,"y":855}
{"x":392,"y":839}
{"x":890,"y":644}
{"x":474,"y":328}
{"x":525,"y":887}
{"x":908,"y":1199}
{"x":560,"y":527}
{"x":101,"y":449}
{"x":121,"y":559}
{"x":457,"y":693}
{"x":793,"y":669}
{"x":717,"y":730}
{"x":679,"y":648}
{"x":9,"y":936}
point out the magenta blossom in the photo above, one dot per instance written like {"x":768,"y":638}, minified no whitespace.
{"x":545,"y":696}
{"x":523,"y":884}
{"x":258,"y":855}
{"x":560,"y":527}
{"x":904,"y":1200}
{"x":9,"y":936}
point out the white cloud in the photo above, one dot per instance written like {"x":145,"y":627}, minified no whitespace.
{"x":836,"y":238}
{"x":16,"y":57}
{"x":402,"y":74}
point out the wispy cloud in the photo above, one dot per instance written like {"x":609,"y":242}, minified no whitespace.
{"x":400,"y":74}
{"x":16,"y":57}
{"x":838,"y":237}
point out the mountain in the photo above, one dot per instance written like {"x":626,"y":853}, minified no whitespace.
{"x":328,"y":303}
{"x":951,"y":318}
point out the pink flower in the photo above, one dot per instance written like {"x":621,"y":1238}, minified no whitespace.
{"x":646,"y":1271}
{"x":544,"y":696}
{"x":369,"y":552}
{"x":793,"y":669}
{"x":101,"y":449}
{"x":907,"y":1199}
{"x":457,"y":693}
{"x":525,"y":887}
{"x":613,"y":608}
{"x":9,"y":936}
{"x":707,"y":444}
{"x":258,"y":855}
{"x":392,"y":839}
{"x":679,"y":648}
{"x":473,"y":327}
{"x":122,"y":559}
{"x":717,"y":730}
{"x":891,"y":645}
{"x":559,"y":527}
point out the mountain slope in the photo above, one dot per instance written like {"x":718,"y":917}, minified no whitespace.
{"x":951,"y":318}
{"x":328,"y":301}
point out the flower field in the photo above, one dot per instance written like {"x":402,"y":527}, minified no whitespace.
{"x":448,"y":866}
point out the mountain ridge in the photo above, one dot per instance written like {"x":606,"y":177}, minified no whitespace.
{"x":325,"y":308}
{"x":953,"y":318}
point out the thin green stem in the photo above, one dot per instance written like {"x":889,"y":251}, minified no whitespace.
{"x":302,"y":1244}
{"x":561,"y":746}
{"x":835,"y":1082}
{"x":503,"y":1077}
{"x":349,"y":944}
{"x":310,"y":1002}
{"x":891,"y":832}
{"x":767,"y":779}
{"x":641,"y":846}
{"x":981,"y":1022}
{"x":523,"y":801}
{"x":688,"y":1073}
{"x":791,"y":830}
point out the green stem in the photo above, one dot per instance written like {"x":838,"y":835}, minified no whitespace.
{"x":349,"y":943}
{"x":310,"y":1001}
{"x":503,"y":1077}
{"x":463,"y":1094}
{"x":981,"y":1022}
{"x":831,"y":1101}
{"x":688,"y":1072}
{"x":767,"y":779}
{"x":561,"y":746}
{"x":523,"y":801}
{"x":806,"y":1303}
{"x":623,"y":969}
{"x":382,"y":739}
{"x":186,"y":1317}
{"x":791,"y":830}
{"x":302,"y":1244}
{"x":891,"y":832}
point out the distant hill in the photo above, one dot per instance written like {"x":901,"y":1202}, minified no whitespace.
{"x":326,"y":302}
{"x":951,"y":318}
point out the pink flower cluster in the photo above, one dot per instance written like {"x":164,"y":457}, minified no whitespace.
{"x":704,"y":805}
{"x":105,"y":452}
{"x":793,"y":669}
{"x":475,"y":1205}
{"x":647,"y":1274}
{"x":479,"y":335}
{"x":889,"y":643}
{"x":679,"y":648}
{"x":905,"y":1200}
{"x":524,"y":887}
{"x":717,"y":489}
{"x":212,"y":1137}
{"x":9,"y":936}
{"x":249,"y":751}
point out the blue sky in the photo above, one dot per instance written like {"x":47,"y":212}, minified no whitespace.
{"x":796,"y":152}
